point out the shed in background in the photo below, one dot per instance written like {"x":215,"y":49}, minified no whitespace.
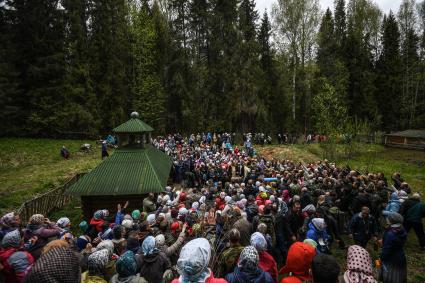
{"x":411,"y":139}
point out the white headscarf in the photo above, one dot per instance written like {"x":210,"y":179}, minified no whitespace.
{"x":319,"y":223}
{"x":192,"y":264}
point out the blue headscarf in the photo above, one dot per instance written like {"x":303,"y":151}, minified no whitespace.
{"x":148,"y":246}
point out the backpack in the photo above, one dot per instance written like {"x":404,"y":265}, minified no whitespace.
{"x":269,"y":221}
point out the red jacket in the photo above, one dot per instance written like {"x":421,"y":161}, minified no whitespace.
{"x":220,"y":203}
{"x":10,"y":276}
{"x":268,"y":264}
{"x":210,"y":279}
{"x":260,"y":201}
{"x":98,"y":223}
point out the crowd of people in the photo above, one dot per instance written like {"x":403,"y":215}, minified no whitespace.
{"x":232,"y":216}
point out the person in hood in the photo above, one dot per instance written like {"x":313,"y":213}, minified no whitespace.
{"x":193,"y":261}
{"x":317,"y":232}
{"x":127,"y":268}
{"x":393,"y":205}
{"x":247,"y":270}
{"x":394,"y":265}
{"x":359,"y":266}
{"x":153,"y":262}
{"x":266,"y":261}
{"x":298,"y":263}
{"x":14,"y":262}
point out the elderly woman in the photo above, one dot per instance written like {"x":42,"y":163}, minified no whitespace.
{"x":266,"y":261}
{"x":359,"y":266}
{"x":193,"y":263}
{"x":127,"y":270}
{"x":38,"y":232}
{"x":8,"y":223}
{"x":394,"y":265}
{"x":96,"y":264}
{"x":153,"y":262}
{"x":298,"y":263}
{"x":57,"y":265}
{"x":247,"y":270}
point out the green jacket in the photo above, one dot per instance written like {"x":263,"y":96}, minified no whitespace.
{"x":416,"y":213}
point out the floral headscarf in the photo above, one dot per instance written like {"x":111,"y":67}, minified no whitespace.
{"x":192,"y":264}
{"x":97,"y":261}
{"x":37,"y":219}
{"x":249,"y":258}
{"x":259,"y":242}
{"x":108,"y":245}
{"x":359,"y":266}
{"x":8,"y":220}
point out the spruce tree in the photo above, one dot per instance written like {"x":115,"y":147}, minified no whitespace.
{"x":388,"y":92}
{"x":110,"y":60}
{"x":40,"y":34}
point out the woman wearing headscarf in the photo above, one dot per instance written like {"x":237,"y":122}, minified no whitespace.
{"x":193,"y":263}
{"x":317,"y":232}
{"x":96,"y":264}
{"x":127,"y":270}
{"x":15,"y":263}
{"x":359,"y":266}
{"x":38,"y":232}
{"x":266,"y":261}
{"x":282,"y":232}
{"x":8,"y":223}
{"x":110,"y":266}
{"x":153,"y":262}
{"x":247,"y":270}
{"x":298,"y":263}
{"x":57,"y":265}
{"x":394,"y":265}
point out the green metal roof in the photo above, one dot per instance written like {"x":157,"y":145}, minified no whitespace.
{"x":134,"y":125}
{"x":128,"y":171}
{"x":409,"y":134}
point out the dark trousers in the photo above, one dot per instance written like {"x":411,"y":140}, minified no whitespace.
{"x":418,"y":227}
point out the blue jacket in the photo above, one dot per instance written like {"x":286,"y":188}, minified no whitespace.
{"x":241,"y":275}
{"x":314,"y":234}
{"x":393,"y":205}
{"x":393,"y":243}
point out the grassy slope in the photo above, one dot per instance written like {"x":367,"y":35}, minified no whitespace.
{"x":374,"y":158}
{"x":32,"y":166}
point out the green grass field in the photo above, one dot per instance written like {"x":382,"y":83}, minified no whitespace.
{"x":31,"y":166}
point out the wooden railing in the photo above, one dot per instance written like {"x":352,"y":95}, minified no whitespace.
{"x":47,"y":202}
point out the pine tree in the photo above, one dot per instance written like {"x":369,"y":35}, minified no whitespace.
{"x":388,"y":93}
